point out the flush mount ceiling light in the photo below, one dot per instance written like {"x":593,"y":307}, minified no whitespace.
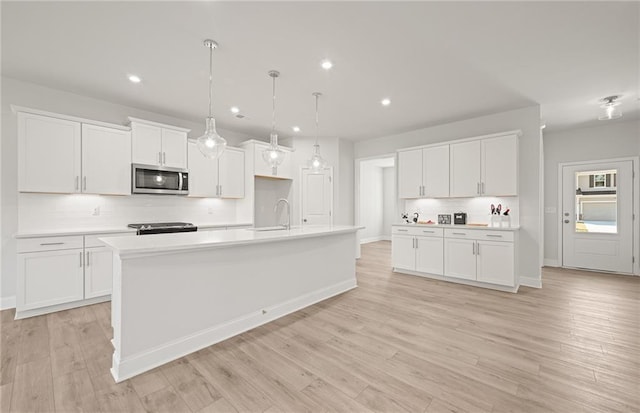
{"x":385,"y":102}
{"x":609,"y":104}
{"x":273,"y":155}
{"x":326,"y":64}
{"x":211,"y":145}
{"x":317,"y":163}
{"x":296,"y":129}
{"x":235,"y":109}
{"x":134,"y":79}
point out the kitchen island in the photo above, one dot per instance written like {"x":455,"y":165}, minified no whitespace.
{"x":174,"y":294}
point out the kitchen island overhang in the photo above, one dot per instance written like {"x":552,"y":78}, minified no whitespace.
{"x":174,"y":294}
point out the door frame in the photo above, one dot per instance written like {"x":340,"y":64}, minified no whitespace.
{"x":302,"y":169}
{"x":356,"y":184}
{"x":635,"y":197}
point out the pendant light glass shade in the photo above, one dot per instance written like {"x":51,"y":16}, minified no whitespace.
{"x":273,"y":155}
{"x":211,"y":145}
{"x":317,"y":163}
{"x":610,"y":106}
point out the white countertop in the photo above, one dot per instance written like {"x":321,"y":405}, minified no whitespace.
{"x":161,"y":243}
{"x":454,"y":226}
{"x":110,"y":230}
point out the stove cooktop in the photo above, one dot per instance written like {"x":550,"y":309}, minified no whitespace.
{"x":163,"y":227}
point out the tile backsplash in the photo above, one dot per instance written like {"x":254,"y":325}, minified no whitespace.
{"x":478,"y":209}
{"x":38,"y":212}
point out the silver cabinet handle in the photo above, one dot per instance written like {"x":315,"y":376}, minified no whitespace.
{"x":84,"y":183}
{"x":403,"y":230}
{"x":80,"y":259}
{"x":52,"y":243}
{"x":459,"y":233}
{"x":478,"y":188}
{"x":164,"y":158}
{"x":77,"y":182}
{"x":477,"y":248}
{"x":482,"y":188}
{"x":220,"y":190}
{"x":159,"y":158}
{"x":416,"y":242}
{"x":473,"y":248}
{"x":428,"y":232}
{"x":86,"y":260}
{"x":494,"y":236}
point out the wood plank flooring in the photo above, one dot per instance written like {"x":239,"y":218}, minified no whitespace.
{"x":398,"y":343}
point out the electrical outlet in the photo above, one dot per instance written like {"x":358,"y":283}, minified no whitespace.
{"x":96,"y":211}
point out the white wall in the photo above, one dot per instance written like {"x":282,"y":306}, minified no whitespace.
{"x":610,"y":140}
{"x":389,"y":197}
{"x":31,"y":211}
{"x":526,"y":119}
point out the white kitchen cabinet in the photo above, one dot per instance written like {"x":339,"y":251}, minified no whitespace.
{"x":158,"y":144}
{"x":98,"y":272}
{"x":424,"y":173}
{"x":417,"y":249}
{"x":495,"y":262}
{"x":106,"y":160}
{"x":484,"y":167}
{"x":49,"y":278}
{"x":254,"y":150}
{"x":222,"y":177}
{"x":67,"y":156}
{"x":48,"y":154}
{"x":460,"y":258}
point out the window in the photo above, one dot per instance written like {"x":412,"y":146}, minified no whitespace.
{"x":600,"y":180}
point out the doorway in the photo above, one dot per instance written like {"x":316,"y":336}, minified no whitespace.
{"x":317,"y":197}
{"x":598,"y":216}
{"x":376,"y":197}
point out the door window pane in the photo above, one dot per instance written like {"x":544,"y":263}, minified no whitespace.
{"x":596,"y":206}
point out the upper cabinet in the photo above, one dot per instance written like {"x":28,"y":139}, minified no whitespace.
{"x":254,"y":150}
{"x":424,"y":173}
{"x":158,"y":144}
{"x":485,"y":167}
{"x":222,"y":178}
{"x":57,"y":155}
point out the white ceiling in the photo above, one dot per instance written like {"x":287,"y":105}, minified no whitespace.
{"x":438,"y":62}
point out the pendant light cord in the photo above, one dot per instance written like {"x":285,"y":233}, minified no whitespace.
{"x":210,"y":79}
{"x":317,"y":128}
{"x":273,"y":115}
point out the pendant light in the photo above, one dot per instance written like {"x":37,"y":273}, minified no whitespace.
{"x":273,"y":155}
{"x":317,"y":163}
{"x":609,"y":105}
{"x":211,"y":145}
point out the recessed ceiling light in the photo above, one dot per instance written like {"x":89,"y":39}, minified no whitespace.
{"x":235,"y":109}
{"x":326,"y":64}
{"x":134,"y":79}
{"x":386,"y":102}
{"x":296,"y":129}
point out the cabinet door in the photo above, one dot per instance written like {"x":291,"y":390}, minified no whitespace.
{"x":429,"y":255}
{"x":402,"y":252}
{"x":174,"y":148}
{"x":145,"y":144}
{"x":410,"y":174}
{"x":49,"y":278}
{"x":500,"y":166}
{"x":459,"y":258}
{"x":261,"y":168}
{"x":48,"y":154}
{"x":435,"y":171}
{"x":465,"y":169}
{"x":496,"y":263}
{"x":98,"y":272}
{"x":203,"y":174}
{"x":106,"y":160}
{"x":231,"y":170}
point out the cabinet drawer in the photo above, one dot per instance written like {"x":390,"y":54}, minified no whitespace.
{"x":417,"y":230}
{"x":91,"y":241}
{"x":461,"y":233}
{"x":495,"y":235}
{"x":49,"y":243}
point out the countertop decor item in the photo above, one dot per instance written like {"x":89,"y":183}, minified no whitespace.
{"x":444,"y":219}
{"x":211,"y":144}
{"x":273,"y":155}
{"x":317,"y":163}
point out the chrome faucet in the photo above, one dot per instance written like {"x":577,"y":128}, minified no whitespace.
{"x":275,"y":209}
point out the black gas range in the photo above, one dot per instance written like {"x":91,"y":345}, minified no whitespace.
{"x":163,"y":227}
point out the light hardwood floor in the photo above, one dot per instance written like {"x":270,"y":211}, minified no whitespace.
{"x":397,"y":343}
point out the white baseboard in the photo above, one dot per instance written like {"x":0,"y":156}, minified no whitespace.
{"x":141,"y":362}
{"x":7,"y":302}
{"x":458,"y":280}
{"x":530,"y":282}
{"x":59,"y":307}
{"x":551,"y":263}
{"x":374,"y":239}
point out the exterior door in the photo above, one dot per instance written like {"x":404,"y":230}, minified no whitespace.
{"x":317,"y":194}
{"x":597,"y":216}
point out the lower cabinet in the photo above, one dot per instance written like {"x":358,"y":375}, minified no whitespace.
{"x":481,"y":257}
{"x":417,"y":250}
{"x":55,"y":273}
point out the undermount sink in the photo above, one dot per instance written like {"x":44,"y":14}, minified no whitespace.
{"x":276,"y":228}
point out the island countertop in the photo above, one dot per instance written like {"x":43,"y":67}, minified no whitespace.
{"x":161,"y":243}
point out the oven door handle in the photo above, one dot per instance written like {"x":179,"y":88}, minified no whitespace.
{"x":180,"y":181}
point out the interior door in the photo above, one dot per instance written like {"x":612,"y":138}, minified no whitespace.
{"x":317,"y":190}
{"x":597,"y":216}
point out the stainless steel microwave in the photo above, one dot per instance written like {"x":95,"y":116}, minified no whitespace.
{"x":153,"y":179}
